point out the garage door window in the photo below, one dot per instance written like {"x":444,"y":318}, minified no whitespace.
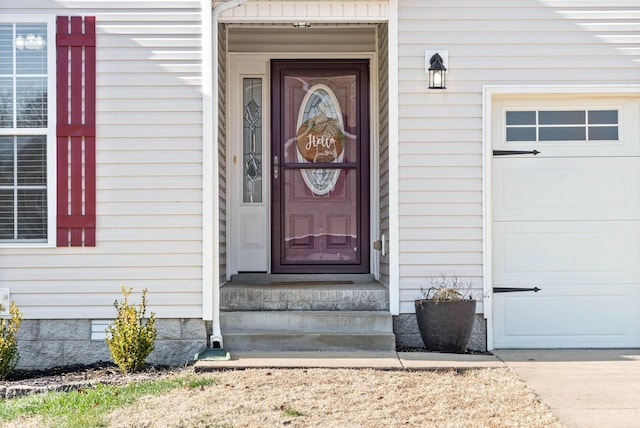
{"x":562,"y":125}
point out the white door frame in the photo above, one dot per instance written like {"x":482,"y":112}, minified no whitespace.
{"x":489,"y":94}
{"x":240,"y":67}
{"x":246,"y":65}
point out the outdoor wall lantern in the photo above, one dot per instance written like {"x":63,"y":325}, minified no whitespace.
{"x":436,"y":69}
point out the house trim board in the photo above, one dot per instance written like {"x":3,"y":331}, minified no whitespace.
{"x":209,"y":135}
{"x":394,"y":174}
{"x":289,"y":11}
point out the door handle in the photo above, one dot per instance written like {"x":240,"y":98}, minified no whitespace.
{"x":514,"y":289}
{"x":514,"y":152}
{"x":276,"y":166}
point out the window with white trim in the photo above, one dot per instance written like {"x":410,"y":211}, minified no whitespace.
{"x":562,"y":125}
{"x":26,"y":130}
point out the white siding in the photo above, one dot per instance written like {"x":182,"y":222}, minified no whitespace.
{"x":440,"y":139}
{"x":222,"y":147}
{"x":150,"y":125}
{"x":149,"y":163}
{"x":383,"y":154}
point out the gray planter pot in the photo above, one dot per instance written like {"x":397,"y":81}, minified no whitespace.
{"x":445,"y":326}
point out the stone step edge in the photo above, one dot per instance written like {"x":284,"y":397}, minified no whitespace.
{"x":359,"y":314}
{"x":303,"y":333}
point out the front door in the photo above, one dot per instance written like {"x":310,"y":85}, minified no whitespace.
{"x":320,"y":174}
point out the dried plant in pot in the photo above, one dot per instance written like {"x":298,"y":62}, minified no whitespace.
{"x":445,"y":314}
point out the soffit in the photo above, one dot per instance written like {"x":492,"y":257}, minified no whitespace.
{"x":318,"y":38}
{"x":313,"y":11}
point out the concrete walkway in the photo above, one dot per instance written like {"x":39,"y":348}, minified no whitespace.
{"x":374,"y":360}
{"x":584,"y":388}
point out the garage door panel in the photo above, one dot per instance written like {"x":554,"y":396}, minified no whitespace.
{"x":565,"y":316}
{"x":536,"y":253}
{"x":566,"y":189}
{"x":566,"y":219}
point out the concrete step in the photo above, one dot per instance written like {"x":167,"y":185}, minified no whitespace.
{"x":307,"y":331}
{"x":290,"y":341}
{"x":307,"y":322}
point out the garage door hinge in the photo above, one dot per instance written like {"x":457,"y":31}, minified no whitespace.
{"x":514,"y":290}
{"x":514,"y":152}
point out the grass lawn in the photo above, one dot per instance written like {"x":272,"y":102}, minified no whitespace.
{"x":294,"y":397}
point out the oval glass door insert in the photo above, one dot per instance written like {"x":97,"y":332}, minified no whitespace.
{"x":320,"y":138}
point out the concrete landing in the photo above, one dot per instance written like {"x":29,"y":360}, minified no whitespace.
{"x":373,"y":360}
{"x":308,"y":292}
{"x":304,"y":296}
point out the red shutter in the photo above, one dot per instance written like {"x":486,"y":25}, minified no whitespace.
{"x":76,"y":131}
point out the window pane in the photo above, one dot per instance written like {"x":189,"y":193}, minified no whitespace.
{"x":31,"y":55}
{"x":252,"y":140}
{"x":6,"y":214}
{"x":521,"y":134}
{"x":32,"y":214}
{"x":603,"y":116}
{"x":6,"y":161}
{"x":6,"y":102}
{"x":6,"y":49}
{"x":521,"y":118}
{"x":32,"y":161}
{"x":603,"y":133}
{"x":31,"y":98}
{"x":562,"y":117}
{"x":563,"y":133}
{"x":24,"y":66}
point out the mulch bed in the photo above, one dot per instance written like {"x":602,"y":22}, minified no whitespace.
{"x":417,"y":349}
{"x":71,"y":378}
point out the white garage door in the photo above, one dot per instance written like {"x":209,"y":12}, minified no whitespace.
{"x":566,"y":220}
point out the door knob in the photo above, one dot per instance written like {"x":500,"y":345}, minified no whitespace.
{"x":276,"y":166}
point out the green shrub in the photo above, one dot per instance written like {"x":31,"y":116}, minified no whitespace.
{"x":9,"y":355}
{"x":130,"y":338}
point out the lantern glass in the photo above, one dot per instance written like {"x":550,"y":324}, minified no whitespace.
{"x":436,"y":79}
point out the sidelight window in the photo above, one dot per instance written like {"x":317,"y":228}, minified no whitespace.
{"x":252,"y":140}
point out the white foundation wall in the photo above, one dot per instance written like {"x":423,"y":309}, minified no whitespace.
{"x":149,"y":170}
{"x":528,"y":42}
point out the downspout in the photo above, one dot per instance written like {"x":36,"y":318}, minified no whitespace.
{"x":211,"y":204}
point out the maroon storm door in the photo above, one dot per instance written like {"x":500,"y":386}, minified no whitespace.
{"x":320,"y":175}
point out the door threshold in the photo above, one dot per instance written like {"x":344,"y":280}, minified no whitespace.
{"x":301,"y":279}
